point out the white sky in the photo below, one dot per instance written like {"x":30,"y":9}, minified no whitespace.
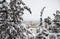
{"x":1,"y":0}
{"x":37,"y":5}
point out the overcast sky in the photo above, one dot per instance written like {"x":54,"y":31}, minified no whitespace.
{"x":37,"y":5}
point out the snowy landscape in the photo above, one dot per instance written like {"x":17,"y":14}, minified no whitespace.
{"x":14,"y":25}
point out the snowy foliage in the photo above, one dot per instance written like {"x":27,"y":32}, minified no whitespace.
{"x":11,"y":21}
{"x":11,"y":26}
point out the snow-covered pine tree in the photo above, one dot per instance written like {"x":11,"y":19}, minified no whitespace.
{"x":56,"y":22}
{"x":3,"y":17}
{"x":41,"y":13}
{"x":10,"y":19}
{"x":43,"y":33}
